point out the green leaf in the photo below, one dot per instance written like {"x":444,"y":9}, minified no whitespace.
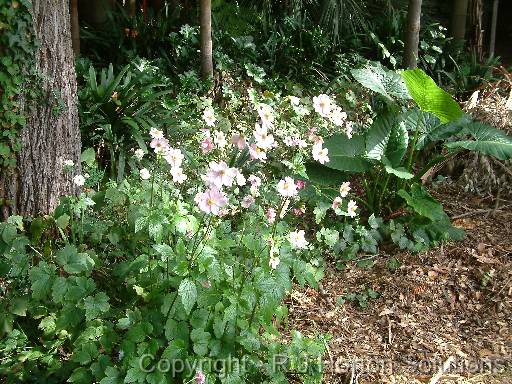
{"x":347,"y":154}
{"x":397,"y":144}
{"x":88,"y":157}
{"x":199,"y":318}
{"x":320,"y":174}
{"x":62,"y":221}
{"x":4,"y":150}
{"x":429,"y":97}
{"x":487,"y":140}
{"x":156,"y":377}
{"x":320,"y":211}
{"x":41,"y":278}
{"x":374,"y":222}
{"x":200,"y":338}
{"x":19,"y":306}
{"x":140,"y":223}
{"x":175,"y":350}
{"x":399,"y":172}
{"x":135,"y":375}
{"x":112,"y":376}
{"x":96,"y":305}
{"x":9,"y":233}
{"x":387,"y":138}
{"x":377,"y":136}
{"x":59,"y":289}
{"x":423,"y":203}
{"x":47,"y":324}
{"x":85,"y":353}
{"x":218,"y":327}
{"x":74,"y":262}
{"x":171,"y":328}
{"x":81,"y":375}
{"x":385,"y":82}
{"x":188,"y":293}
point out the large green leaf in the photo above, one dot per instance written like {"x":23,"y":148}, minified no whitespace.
{"x":449,"y":130}
{"x":388,"y":138}
{"x":487,"y":140}
{"x":188,"y":293}
{"x":423,"y":122}
{"x":399,"y":172}
{"x":347,"y":154}
{"x":423,"y":203}
{"x":377,"y":137}
{"x":320,"y":174}
{"x":397,"y":144}
{"x":429,"y":97}
{"x":74,"y":262}
{"x":385,"y":82}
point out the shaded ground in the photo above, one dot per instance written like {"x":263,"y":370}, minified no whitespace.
{"x":449,"y":305}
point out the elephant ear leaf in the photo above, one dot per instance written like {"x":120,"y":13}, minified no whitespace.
{"x":347,"y":154}
{"x":383,"y":81}
{"x":430,"y":97}
{"x":387,"y":138}
{"x":400,"y":172}
{"x":487,"y":140}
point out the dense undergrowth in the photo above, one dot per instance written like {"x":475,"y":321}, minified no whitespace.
{"x":204,"y":202}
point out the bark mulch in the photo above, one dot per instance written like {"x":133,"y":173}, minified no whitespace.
{"x":447,"y":310}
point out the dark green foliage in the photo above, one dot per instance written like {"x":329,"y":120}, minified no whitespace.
{"x":118,"y":110}
{"x":388,"y":156}
{"x":17,"y":53}
{"x":92,"y":309}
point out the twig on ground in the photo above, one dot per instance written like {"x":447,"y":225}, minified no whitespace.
{"x":479,"y":211}
{"x":442,"y":370}
{"x":352,"y":376}
{"x":503,"y":166}
{"x":328,"y":351}
{"x":390,"y":336}
{"x":496,"y":206}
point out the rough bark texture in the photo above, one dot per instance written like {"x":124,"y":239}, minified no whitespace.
{"x":459,"y":15}
{"x":206,"y":39}
{"x":412,"y":34}
{"x":476,"y":40}
{"x":75,"y":27}
{"x":51,"y":134}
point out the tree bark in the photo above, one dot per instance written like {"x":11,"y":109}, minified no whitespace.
{"x":51,"y":134}
{"x":412,"y":34}
{"x":476,"y":41}
{"x":459,"y":16}
{"x":75,"y":27}
{"x":494,"y":23}
{"x":206,"y":39}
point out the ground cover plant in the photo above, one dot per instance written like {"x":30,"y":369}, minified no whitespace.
{"x":167,"y":248}
{"x":189,"y":257}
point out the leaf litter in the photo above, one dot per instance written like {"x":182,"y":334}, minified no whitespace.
{"x":443,"y":316}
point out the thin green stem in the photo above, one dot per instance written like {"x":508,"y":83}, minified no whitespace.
{"x":384,"y":189}
{"x":193,"y":255}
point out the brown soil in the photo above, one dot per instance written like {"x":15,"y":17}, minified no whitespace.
{"x":452,"y":305}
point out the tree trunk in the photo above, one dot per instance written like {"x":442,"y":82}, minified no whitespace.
{"x":132,"y":7}
{"x":206,"y":39}
{"x":75,"y":27}
{"x":412,"y":34}
{"x":476,"y":41}
{"x":459,"y":16}
{"x":494,"y":23}
{"x":51,"y":134}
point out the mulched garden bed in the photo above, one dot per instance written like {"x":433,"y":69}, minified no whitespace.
{"x":450,"y":307}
